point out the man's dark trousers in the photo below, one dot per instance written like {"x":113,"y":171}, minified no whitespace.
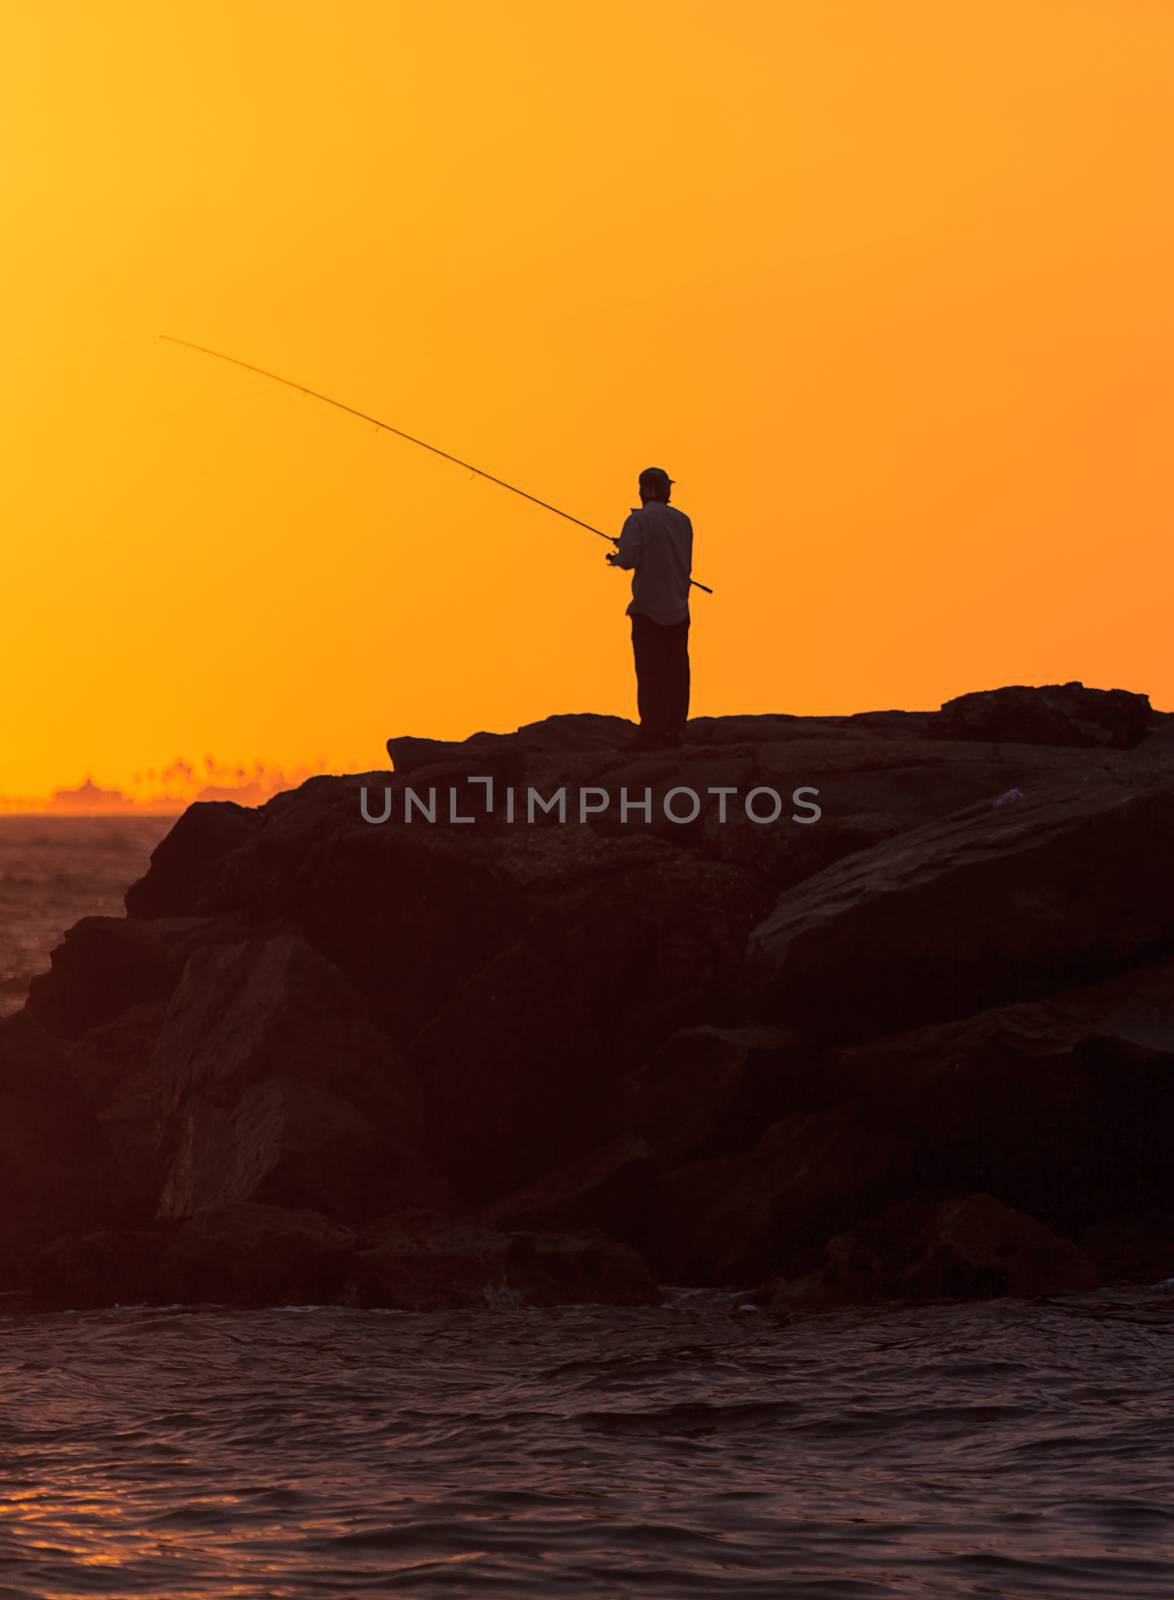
{"x":662,"y":677}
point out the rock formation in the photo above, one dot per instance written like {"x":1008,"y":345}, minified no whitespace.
{"x":484,"y":1053}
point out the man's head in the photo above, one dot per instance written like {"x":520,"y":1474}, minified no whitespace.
{"x":655,"y":484}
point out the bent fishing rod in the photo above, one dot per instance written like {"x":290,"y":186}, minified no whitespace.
{"x":399,"y":433}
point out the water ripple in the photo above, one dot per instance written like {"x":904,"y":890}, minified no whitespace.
{"x":1001,"y":1450}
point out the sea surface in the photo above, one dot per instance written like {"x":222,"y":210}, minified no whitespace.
{"x":54,"y":870}
{"x":1007,"y":1449}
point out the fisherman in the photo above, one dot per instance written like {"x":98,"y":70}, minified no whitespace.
{"x":656,"y":545}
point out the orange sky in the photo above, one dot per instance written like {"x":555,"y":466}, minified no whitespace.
{"x":886,"y":287}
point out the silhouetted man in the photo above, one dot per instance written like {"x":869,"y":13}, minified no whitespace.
{"x":656,"y":544}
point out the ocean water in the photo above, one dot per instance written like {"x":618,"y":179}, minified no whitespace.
{"x":1003,"y":1449}
{"x":54,"y":870}
{"x":1009,"y":1449}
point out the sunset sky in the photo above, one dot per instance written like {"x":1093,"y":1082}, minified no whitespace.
{"x":885,"y":286}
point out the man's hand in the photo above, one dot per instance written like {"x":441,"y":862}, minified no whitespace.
{"x":612,"y":557}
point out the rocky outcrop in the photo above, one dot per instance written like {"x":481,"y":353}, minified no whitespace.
{"x":275,"y":1087}
{"x":914,"y":1039}
{"x":987,"y":906}
{"x":969,"y":1247}
{"x":1059,"y":713}
{"x":105,"y":965}
{"x":184,"y":864}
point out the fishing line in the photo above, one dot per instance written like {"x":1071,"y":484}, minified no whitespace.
{"x":400,"y":434}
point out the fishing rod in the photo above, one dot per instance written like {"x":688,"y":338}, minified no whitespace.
{"x":399,"y":433}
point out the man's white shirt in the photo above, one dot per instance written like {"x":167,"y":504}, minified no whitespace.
{"x":656,"y":543}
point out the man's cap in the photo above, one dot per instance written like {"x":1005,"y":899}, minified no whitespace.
{"x":655,"y":478}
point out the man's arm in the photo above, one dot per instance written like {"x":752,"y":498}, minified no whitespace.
{"x":631,"y":543}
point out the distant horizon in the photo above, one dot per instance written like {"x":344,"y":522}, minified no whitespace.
{"x":250,"y":784}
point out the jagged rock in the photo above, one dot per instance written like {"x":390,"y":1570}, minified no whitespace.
{"x":406,"y":912}
{"x":1055,"y":713}
{"x":276,"y":1087}
{"x":108,"y":964}
{"x":978,"y":1247}
{"x":287,"y":1142}
{"x":417,"y":1262}
{"x":183,"y":862}
{"x":986,"y":907}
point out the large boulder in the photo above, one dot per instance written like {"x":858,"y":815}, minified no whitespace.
{"x":1055,"y":713}
{"x":184,"y":861}
{"x":408,"y":913}
{"x":989,"y":906}
{"x":276,"y":1087}
{"x":976,"y":1247}
{"x":869,"y":789}
{"x":1061,"y":1107}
